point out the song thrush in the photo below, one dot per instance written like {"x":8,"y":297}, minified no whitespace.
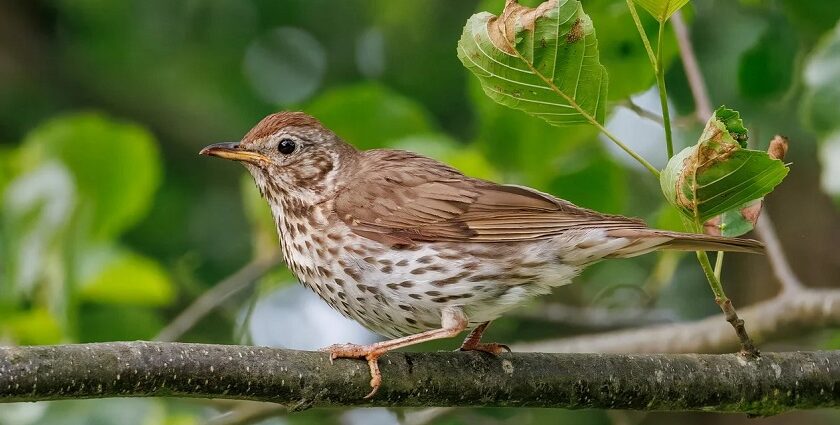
{"x":415,"y":250}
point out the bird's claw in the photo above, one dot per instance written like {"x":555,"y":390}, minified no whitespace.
{"x":487,"y":347}
{"x":355,"y":351}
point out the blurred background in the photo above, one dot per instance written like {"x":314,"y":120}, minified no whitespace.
{"x":111,"y":225}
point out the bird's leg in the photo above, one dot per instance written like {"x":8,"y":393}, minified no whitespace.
{"x":453,"y":322}
{"x":473,"y":342}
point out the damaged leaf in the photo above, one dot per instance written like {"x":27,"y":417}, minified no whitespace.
{"x":718,"y":176}
{"x":542,"y":60}
{"x":741,"y":220}
{"x":661,"y":9}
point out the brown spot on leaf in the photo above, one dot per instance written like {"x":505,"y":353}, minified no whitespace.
{"x":575,"y":32}
{"x":502,"y":29}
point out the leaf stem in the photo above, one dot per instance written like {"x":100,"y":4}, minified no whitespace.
{"x":583,"y":113}
{"x":718,"y":264}
{"x":748,"y":348}
{"x":642,"y":33}
{"x":663,"y":92}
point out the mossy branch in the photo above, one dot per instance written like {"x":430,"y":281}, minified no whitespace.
{"x":774,"y":383}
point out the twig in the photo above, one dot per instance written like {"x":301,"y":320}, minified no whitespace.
{"x":790,"y":313}
{"x":776,"y":256}
{"x":425,"y":416}
{"x":704,"y":112}
{"x":642,"y":112}
{"x":302,"y":379}
{"x":748,"y":348}
{"x":598,"y":318}
{"x":702,"y":104}
{"x":248,"y":412}
{"x":212,"y":298}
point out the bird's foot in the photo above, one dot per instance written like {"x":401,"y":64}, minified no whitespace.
{"x":487,"y":347}
{"x":355,"y":351}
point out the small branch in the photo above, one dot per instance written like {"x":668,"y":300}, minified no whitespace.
{"x":776,"y":256}
{"x":301,"y":379}
{"x":790,"y":314}
{"x":702,"y":104}
{"x":598,"y":318}
{"x":248,"y":412}
{"x":214,"y":297}
{"x":641,"y":112}
{"x":747,"y":346}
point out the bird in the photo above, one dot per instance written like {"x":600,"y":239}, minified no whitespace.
{"x":415,"y":250}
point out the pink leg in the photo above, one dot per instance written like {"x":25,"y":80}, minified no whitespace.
{"x":473,"y":342}
{"x":453,"y":322}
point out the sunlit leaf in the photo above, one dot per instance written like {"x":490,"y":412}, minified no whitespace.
{"x":661,"y":9}
{"x":115,"y":166}
{"x":543,"y":61}
{"x":445,"y":149}
{"x":718,"y":174}
{"x":32,"y":327}
{"x":126,"y":278}
{"x":369,"y":115}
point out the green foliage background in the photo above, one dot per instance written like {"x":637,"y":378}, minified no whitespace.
{"x":110,"y":224}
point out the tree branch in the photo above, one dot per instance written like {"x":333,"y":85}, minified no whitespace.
{"x":300,"y":379}
{"x":696,"y":82}
{"x":791,"y":313}
{"x":212,"y":298}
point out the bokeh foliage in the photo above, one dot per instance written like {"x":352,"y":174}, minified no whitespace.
{"x":110,"y":224}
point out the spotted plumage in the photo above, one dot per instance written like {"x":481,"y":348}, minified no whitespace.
{"x":415,"y":250}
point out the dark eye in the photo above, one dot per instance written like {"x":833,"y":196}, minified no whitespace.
{"x":286,"y":146}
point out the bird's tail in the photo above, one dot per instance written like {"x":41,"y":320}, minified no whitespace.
{"x":647,"y":240}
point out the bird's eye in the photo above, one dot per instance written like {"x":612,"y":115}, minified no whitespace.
{"x":286,"y":146}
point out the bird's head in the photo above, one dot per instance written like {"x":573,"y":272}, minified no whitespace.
{"x":290,"y":154}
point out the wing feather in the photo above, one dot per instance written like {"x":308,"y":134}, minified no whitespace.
{"x":404,"y":198}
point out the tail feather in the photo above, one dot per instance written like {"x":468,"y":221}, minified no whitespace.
{"x":646,"y":240}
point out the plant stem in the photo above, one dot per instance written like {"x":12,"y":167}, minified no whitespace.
{"x":663,"y":92}
{"x":642,"y":33}
{"x":718,"y":264}
{"x":747,"y":347}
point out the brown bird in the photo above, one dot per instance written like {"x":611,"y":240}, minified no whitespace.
{"x":415,"y":250}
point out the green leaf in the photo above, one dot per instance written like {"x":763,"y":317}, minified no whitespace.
{"x":661,"y":9}
{"x":528,"y":151}
{"x":369,"y":115}
{"x":766,"y":70}
{"x":126,"y":278}
{"x":33,"y":327}
{"x":468,"y":159}
{"x":543,"y":61}
{"x":738,"y":221}
{"x":717,"y":174}
{"x":115,"y":165}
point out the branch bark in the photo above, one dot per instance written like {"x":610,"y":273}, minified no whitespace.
{"x":299,"y":379}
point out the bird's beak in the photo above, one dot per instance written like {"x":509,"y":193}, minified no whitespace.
{"x":232,"y":150}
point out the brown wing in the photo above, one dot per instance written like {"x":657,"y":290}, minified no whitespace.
{"x":404,"y":197}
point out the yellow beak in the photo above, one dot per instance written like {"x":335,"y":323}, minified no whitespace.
{"x":231,"y":150}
